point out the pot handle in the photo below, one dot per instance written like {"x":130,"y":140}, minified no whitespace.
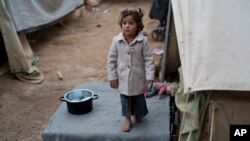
{"x":95,"y":96}
{"x":62,"y":98}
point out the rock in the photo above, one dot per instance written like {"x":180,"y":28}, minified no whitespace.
{"x":59,"y":75}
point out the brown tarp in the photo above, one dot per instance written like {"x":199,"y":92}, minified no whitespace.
{"x":225,"y":108}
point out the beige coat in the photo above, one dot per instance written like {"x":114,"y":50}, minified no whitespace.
{"x":131,"y":64}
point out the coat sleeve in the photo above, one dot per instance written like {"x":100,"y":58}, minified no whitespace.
{"x":112,"y":61}
{"x":148,"y":57}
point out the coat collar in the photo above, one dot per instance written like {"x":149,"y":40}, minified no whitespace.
{"x":139,"y":37}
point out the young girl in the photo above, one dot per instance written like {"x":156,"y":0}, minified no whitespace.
{"x":131,"y":66}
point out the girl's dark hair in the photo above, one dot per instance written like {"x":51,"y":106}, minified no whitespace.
{"x":136,"y":14}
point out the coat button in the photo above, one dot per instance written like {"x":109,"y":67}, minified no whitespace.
{"x":129,"y":67}
{"x":128,"y":53}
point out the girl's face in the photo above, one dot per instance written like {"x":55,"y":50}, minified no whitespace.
{"x":129,"y":26}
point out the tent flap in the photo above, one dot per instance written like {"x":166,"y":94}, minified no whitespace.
{"x":31,"y":14}
{"x":213,"y":38}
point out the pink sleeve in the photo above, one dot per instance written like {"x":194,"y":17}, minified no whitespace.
{"x":159,"y":85}
{"x":162,"y":90}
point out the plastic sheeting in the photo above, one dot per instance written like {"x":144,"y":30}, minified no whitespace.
{"x":31,"y":14}
{"x":213,"y":38}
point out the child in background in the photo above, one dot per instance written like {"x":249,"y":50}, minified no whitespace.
{"x":160,"y":88}
{"x":131,"y":66}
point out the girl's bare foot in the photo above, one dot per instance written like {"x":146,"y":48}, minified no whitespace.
{"x":127,"y":125}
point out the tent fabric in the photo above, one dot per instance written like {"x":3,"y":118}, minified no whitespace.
{"x":226,"y":108}
{"x":213,"y":38}
{"x":192,"y":106}
{"x":16,"y":55}
{"x":30,"y":14}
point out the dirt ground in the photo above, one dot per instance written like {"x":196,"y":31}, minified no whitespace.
{"x":79,"y":51}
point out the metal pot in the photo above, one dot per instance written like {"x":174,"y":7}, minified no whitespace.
{"x":79,"y":101}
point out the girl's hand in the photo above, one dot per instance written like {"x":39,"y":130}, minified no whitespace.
{"x":114,"y":84}
{"x":149,"y":84}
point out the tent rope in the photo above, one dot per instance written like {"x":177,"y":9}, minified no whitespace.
{"x":214,"y":107}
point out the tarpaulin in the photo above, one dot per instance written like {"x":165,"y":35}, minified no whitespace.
{"x":213,"y":39}
{"x":27,"y":15}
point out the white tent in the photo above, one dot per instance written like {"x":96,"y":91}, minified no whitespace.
{"x":214,"y":47}
{"x":213,"y":38}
